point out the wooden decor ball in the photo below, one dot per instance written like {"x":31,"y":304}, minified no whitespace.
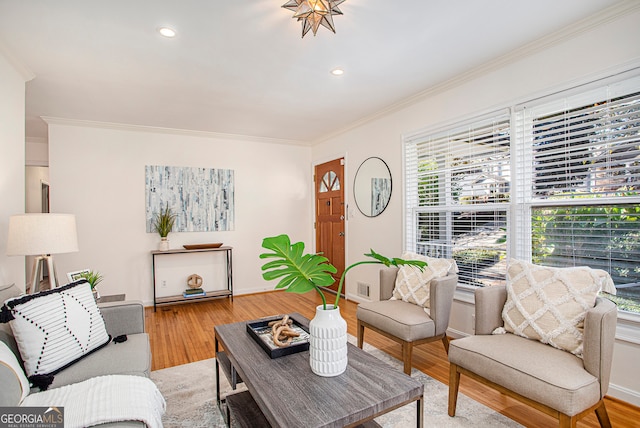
{"x":194,"y":281}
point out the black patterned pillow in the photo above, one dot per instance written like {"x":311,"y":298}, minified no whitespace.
{"x":55,"y":328}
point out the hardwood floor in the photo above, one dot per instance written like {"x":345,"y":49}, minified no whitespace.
{"x":183,"y":333}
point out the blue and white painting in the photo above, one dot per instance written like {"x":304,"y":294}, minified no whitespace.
{"x":202,"y":198}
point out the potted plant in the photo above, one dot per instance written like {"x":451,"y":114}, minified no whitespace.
{"x":93,"y":278}
{"x":300,"y":273}
{"x":163,"y":224}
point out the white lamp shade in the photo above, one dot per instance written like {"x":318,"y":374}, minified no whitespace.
{"x":40,"y":234}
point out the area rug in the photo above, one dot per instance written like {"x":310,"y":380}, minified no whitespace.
{"x":190,"y":392}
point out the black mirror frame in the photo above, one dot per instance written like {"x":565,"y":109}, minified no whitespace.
{"x":355,"y":193}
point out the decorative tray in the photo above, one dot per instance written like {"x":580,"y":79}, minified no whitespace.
{"x":202,"y":246}
{"x":260,"y":331}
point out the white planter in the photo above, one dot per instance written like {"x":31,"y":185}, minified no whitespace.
{"x":328,"y":342}
{"x":164,"y":244}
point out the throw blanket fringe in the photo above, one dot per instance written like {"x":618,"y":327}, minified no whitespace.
{"x":105,"y":399}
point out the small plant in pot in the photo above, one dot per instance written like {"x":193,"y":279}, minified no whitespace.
{"x":93,"y":278}
{"x":163,"y":224}
{"x":299,"y":273}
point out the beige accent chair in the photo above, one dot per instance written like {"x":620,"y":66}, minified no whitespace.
{"x":407,"y":323}
{"x":551,"y":380}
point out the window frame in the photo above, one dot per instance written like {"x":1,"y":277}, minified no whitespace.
{"x":522,"y":201}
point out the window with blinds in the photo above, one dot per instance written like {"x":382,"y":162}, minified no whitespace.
{"x":457,"y":193}
{"x":585,"y":181}
{"x":555,"y":181}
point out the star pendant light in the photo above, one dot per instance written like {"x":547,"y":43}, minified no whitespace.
{"x":314,"y":13}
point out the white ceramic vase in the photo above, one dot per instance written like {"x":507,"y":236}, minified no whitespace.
{"x":164,"y":244}
{"x":328,"y":342}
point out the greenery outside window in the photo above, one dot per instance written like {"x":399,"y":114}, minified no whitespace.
{"x":555,"y":181}
{"x":458,"y":190}
{"x":585,"y":183}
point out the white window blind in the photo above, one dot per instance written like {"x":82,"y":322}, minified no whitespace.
{"x":561,"y":187}
{"x":457,"y":196}
{"x":581,"y":160}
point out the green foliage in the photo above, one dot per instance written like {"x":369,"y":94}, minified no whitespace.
{"x":163,"y":221}
{"x":300,"y":273}
{"x":477,"y":256}
{"x":624,"y":304}
{"x":380,"y":259}
{"x":591,"y":235}
{"x":93,"y":277}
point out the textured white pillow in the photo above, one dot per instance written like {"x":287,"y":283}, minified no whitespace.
{"x":55,"y":328}
{"x":8,"y":359}
{"x":412,"y":284}
{"x":549,"y":304}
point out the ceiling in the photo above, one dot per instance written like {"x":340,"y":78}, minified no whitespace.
{"x":241,"y":67}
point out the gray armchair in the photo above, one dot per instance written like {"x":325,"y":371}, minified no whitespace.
{"x":407,"y":323}
{"x":551,"y":380}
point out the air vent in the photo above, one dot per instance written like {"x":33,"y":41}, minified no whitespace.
{"x":363,"y":289}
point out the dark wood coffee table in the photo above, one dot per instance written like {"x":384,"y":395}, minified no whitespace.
{"x":289,"y":394}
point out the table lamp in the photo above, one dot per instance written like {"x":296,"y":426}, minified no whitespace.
{"x":42,"y":235}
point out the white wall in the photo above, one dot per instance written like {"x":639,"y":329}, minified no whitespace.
{"x":34,"y":177}
{"x":98,"y":174}
{"x":12,"y":99}
{"x":594,"y":51}
{"x":37,"y":152}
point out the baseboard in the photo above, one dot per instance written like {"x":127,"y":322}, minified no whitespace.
{"x":456,"y":334}
{"x":356,"y":298}
{"x":624,"y":394}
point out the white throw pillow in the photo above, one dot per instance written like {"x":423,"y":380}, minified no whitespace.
{"x":8,"y":359}
{"x":412,"y":284}
{"x":549,"y":304}
{"x":55,"y":328}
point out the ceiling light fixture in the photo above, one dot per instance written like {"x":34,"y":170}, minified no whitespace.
{"x":167,"y":32}
{"x":337,"y":72}
{"x":314,"y":13}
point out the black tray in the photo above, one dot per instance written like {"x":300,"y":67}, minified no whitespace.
{"x":261,"y":333}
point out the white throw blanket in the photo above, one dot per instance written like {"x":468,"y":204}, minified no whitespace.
{"x":104,"y":399}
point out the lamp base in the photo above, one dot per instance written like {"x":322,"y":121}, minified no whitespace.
{"x":38,"y":267}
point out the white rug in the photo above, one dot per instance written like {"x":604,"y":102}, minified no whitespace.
{"x":190,"y":392}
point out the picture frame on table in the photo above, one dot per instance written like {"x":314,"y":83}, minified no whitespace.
{"x":74,"y":276}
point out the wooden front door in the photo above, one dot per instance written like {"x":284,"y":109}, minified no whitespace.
{"x":330,"y":213}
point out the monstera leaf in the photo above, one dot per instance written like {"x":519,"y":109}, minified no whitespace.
{"x":394,"y":261}
{"x":298,"y":272}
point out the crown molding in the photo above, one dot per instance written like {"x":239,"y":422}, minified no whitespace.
{"x":171,"y":131}
{"x":612,"y":13}
{"x":22,"y":69}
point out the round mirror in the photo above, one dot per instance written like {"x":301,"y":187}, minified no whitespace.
{"x":372,"y":187}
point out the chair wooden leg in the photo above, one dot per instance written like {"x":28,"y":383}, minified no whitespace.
{"x":407,"y":351}
{"x":568,"y":421}
{"x":360,"y":334}
{"x":454,"y":385}
{"x":445,"y":341}
{"x":603,"y":416}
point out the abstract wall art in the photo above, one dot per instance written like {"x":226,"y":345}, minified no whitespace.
{"x":202,"y":198}
{"x":380,"y":195}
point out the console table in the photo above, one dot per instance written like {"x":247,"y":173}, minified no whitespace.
{"x":228,"y":292}
{"x":284,"y":392}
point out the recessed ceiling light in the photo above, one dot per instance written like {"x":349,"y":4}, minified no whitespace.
{"x":337,"y":72}
{"x":167,"y":32}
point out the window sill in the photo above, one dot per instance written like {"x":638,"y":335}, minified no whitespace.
{"x":628,"y":329}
